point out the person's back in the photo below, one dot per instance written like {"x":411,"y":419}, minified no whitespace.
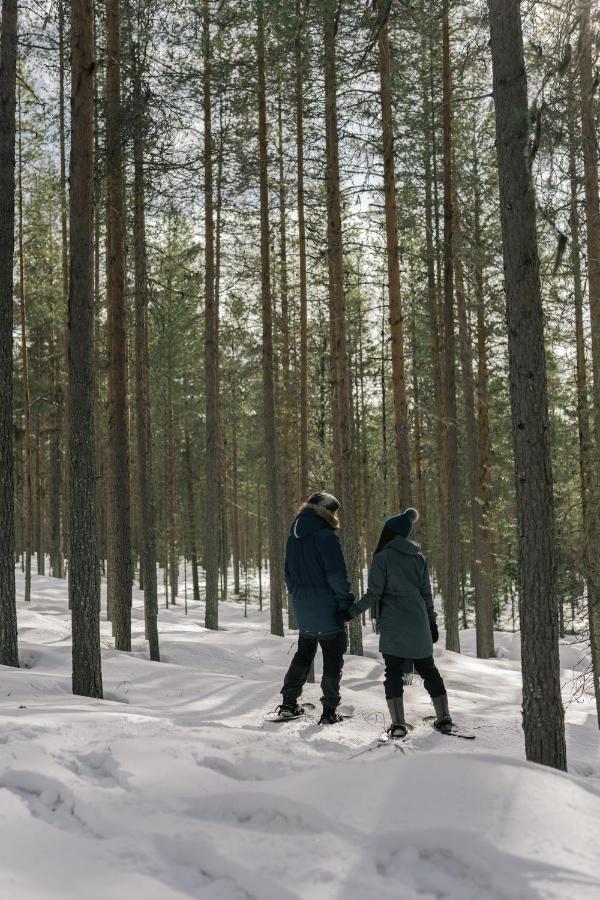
{"x":316,"y":579}
{"x":400,"y":591}
{"x":315,"y":571}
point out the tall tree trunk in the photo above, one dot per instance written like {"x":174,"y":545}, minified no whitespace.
{"x":83,"y":559}
{"x":39,"y":500}
{"x":418,"y":431}
{"x":272,"y":469}
{"x":146,"y":506}
{"x":543,"y":714}
{"x":211,"y":351}
{"x":120,"y":578}
{"x":64,"y":233}
{"x":286,"y":423}
{"x":172,"y":555}
{"x":483,"y":421}
{"x":191,"y":515}
{"x":452,"y":598}
{"x":56,"y":568}
{"x":592,"y":218}
{"x":28,"y":511}
{"x":404,"y":488}
{"x":342,"y":394}
{"x":235,"y":513}
{"x":590,"y":560}
{"x":9,"y":655}
{"x":299,"y":98}
{"x":429,"y":151}
{"x":484,"y":613}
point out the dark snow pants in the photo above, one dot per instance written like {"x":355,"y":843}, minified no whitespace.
{"x":394,"y":670}
{"x":333,"y":646}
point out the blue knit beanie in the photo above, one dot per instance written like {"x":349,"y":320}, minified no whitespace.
{"x":402,"y":523}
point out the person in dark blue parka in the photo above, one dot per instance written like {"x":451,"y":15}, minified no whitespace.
{"x":317,"y":580}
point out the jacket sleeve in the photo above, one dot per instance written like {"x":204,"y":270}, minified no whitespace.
{"x":375,"y":586}
{"x":426,"y":592}
{"x":334,"y":565}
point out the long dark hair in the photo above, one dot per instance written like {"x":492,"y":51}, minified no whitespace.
{"x":384,"y":538}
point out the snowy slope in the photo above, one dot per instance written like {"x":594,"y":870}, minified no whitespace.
{"x":174,"y":786}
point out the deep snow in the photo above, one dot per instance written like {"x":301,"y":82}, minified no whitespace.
{"x":174,"y":786}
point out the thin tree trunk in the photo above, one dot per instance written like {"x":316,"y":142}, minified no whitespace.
{"x":432,"y":304}
{"x":343,"y":394}
{"x":65,"y":277}
{"x":418,"y":432}
{"x":191,"y":515}
{"x":586,"y":472}
{"x":543,"y":714}
{"x":452,"y":599}
{"x":211,"y":351}
{"x":120,"y":579}
{"x":592,"y":218}
{"x":235,"y":518}
{"x":39,"y":501}
{"x":483,"y":422}
{"x":299,"y":98}
{"x":146,"y":506}
{"x":274,"y":531}
{"x":28,"y":511}
{"x":404,"y":488}
{"x":83,"y":559}
{"x":9,"y":655}
{"x":484,"y":614}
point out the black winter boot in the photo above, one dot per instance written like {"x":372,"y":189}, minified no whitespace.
{"x":330,"y":717}
{"x":289,"y":709}
{"x":398,"y":728}
{"x":443,"y":721}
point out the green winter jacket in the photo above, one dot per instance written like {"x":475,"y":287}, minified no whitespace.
{"x":400,"y":591}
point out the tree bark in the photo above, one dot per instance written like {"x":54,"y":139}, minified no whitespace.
{"x":342,"y":422}
{"x":452,"y":586}
{"x":483,"y":419}
{"x":85,"y":582}
{"x":274,"y":531}
{"x":211,"y":351}
{"x":432,"y":304}
{"x":484,"y":613}
{"x":586,"y":470}
{"x":404,"y":488}
{"x":299,"y":98}
{"x":28,"y":460}
{"x":146,"y":506}
{"x":592,"y":218}
{"x":9,"y":655}
{"x":120,"y":578}
{"x":543,"y":714}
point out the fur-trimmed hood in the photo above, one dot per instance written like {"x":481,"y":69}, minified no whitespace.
{"x":310,"y":518}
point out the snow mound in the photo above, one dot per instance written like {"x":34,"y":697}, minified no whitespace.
{"x":174,"y":786}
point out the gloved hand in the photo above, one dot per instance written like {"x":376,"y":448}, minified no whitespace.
{"x":435,"y":635}
{"x":342,"y":617}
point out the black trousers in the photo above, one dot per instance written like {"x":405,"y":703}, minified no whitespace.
{"x":394,"y":669}
{"x":333,"y":648}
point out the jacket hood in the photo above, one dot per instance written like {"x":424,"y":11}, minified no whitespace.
{"x":312,"y":518}
{"x":403,"y":545}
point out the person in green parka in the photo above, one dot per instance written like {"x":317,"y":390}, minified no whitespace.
{"x":399,"y":589}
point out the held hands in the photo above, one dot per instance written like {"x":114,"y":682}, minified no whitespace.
{"x":342,"y":617}
{"x":435,"y":635}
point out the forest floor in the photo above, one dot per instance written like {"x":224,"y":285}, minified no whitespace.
{"x":174,"y":786}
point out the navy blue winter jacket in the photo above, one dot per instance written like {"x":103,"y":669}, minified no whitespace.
{"x":315,"y":572}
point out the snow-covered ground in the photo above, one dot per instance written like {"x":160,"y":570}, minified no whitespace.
{"x":174,"y":786}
